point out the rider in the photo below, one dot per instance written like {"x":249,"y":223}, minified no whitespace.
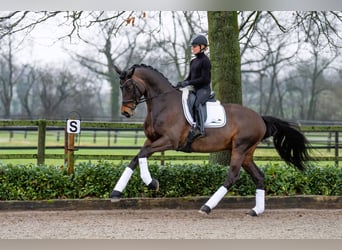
{"x":199,"y":77}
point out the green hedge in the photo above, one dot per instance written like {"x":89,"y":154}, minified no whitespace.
{"x":96,"y":180}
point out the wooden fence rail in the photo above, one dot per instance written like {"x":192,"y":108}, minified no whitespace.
{"x":330,"y":141}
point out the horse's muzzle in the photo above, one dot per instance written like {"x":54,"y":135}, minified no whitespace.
{"x":126,"y":114}
{"x":127,"y":111}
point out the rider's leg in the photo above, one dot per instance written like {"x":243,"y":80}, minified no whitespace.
{"x":202,"y":96}
{"x":200,"y":121}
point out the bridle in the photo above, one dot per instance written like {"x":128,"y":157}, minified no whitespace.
{"x":136,"y":89}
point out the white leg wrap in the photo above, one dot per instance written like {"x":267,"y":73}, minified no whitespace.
{"x":217,"y":197}
{"x":122,"y":183}
{"x":144,"y":172}
{"x":259,"y":201}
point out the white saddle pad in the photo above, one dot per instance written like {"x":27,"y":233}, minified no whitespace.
{"x":216,"y":116}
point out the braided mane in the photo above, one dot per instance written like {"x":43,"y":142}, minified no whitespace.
{"x":148,"y":67}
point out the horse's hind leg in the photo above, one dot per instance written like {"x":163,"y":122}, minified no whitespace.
{"x":258,"y":178}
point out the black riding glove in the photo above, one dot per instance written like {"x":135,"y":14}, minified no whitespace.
{"x":183,"y":84}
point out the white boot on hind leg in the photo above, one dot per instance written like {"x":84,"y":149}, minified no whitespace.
{"x":259,"y":203}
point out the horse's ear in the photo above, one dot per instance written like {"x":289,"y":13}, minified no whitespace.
{"x":130,"y":72}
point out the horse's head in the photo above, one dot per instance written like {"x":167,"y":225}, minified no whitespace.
{"x":131,"y":92}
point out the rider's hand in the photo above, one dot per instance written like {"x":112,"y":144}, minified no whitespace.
{"x":182,"y":84}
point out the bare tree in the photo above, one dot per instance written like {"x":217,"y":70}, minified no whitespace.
{"x":315,"y":27}
{"x":321,"y":41}
{"x":10,"y":74}
{"x":266,"y":56}
{"x":311,"y":73}
{"x":319,"y":27}
{"x":54,"y":89}
{"x":12,"y":22}
{"x":118,"y":47}
{"x":25,"y":91}
{"x":267,"y":63}
{"x":173,"y":38}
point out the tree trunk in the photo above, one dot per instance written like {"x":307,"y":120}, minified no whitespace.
{"x":113,"y":80}
{"x":226,"y":67}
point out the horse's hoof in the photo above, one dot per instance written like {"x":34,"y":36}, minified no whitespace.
{"x":205,"y":210}
{"x":154,"y":185}
{"x":252,"y":213}
{"x":115,"y":196}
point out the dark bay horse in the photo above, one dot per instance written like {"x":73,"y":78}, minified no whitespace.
{"x":166,"y":128}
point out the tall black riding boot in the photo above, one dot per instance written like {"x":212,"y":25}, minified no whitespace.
{"x":200,"y":123}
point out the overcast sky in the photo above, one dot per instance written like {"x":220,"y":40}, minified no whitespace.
{"x":43,"y":45}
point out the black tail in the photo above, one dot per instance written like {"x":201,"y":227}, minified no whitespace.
{"x":290,"y":143}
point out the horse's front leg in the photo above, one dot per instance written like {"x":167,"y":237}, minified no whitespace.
{"x":141,"y":159}
{"x":237,"y":157}
{"x":125,"y":177}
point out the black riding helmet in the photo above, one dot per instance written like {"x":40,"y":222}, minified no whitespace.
{"x":199,"y":40}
